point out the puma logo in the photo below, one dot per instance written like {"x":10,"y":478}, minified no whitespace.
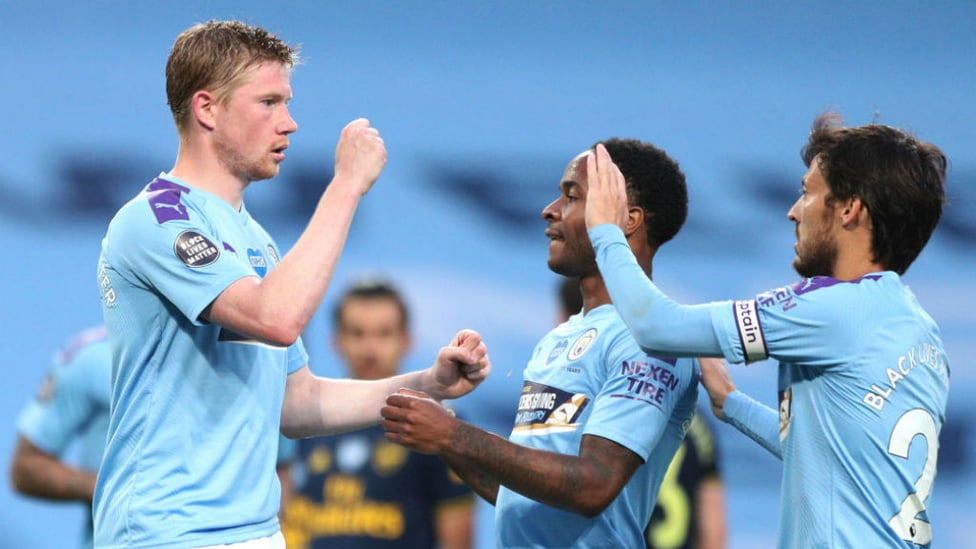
{"x":178,"y":206}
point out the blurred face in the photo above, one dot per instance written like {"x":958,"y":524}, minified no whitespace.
{"x":570,"y":250}
{"x":252,"y":126}
{"x":371,"y":338}
{"x":816,"y":245}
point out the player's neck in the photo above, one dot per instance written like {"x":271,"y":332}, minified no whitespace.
{"x":205,"y":172}
{"x":854,"y":256}
{"x":853,"y":268}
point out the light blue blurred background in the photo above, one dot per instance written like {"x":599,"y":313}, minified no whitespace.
{"x":481,"y":106}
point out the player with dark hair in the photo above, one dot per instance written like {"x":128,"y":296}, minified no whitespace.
{"x":205,"y":321}
{"x":598,"y":420}
{"x":690,"y":509}
{"x":863,"y":374}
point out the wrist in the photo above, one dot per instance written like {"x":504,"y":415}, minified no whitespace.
{"x":428,"y":384}
{"x":349,"y":184}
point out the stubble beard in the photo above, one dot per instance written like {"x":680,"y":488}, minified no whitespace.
{"x":817,"y":258}
{"x":243,"y":168}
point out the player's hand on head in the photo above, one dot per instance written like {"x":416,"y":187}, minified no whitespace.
{"x":606,"y":195}
{"x":461,"y":365}
{"x":360,"y":155}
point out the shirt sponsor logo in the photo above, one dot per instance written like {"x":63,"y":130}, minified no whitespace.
{"x":582,"y":344}
{"x":542,"y":408}
{"x":195,"y":250}
{"x":648,"y":381}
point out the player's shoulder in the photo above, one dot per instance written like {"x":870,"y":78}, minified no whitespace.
{"x":608,"y":322}
{"x":829,"y":298}
{"x":93,"y":336}
{"x":85,"y":356}
{"x":160,"y":202}
{"x":829,"y":287}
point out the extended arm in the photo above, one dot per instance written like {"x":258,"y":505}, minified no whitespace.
{"x":39,"y":474}
{"x":316,"y":405}
{"x":585,"y":484}
{"x":277,"y":308}
{"x":755,"y":420}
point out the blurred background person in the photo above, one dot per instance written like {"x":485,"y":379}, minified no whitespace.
{"x":356,"y":489}
{"x":690,"y":508}
{"x":69,"y":414}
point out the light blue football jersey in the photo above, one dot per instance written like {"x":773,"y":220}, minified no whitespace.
{"x":72,"y":406}
{"x":863,"y":383}
{"x":588,"y":376}
{"x":193,"y":437}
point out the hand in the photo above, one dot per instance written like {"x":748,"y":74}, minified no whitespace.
{"x":360,"y":155}
{"x":606,"y":196}
{"x":717,"y":381}
{"x":413,"y":419}
{"x":460,"y":366}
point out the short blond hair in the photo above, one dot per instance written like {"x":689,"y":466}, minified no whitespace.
{"x":216,"y":56}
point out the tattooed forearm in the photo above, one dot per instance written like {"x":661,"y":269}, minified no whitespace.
{"x":584,"y":484}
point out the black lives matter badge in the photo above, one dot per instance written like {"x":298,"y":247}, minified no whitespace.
{"x":195,"y":250}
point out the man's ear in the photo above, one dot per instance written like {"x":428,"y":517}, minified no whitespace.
{"x":854,"y":213}
{"x":635,"y":220}
{"x":204,"y":105}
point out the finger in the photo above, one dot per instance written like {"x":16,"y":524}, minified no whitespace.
{"x":591,"y":172}
{"x":458,"y":355}
{"x":413,"y":393}
{"x":398,"y":401}
{"x":466,"y":338}
{"x":392,"y":414}
{"x":358,"y":123}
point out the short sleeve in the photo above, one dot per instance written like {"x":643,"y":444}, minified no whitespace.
{"x":182,"y":259}
{"x":297,"y":356}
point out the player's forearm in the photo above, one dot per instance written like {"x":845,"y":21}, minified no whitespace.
{"x":292,"y":292}
{"x":754,"y":419}
{"x":316,"y":406}
{"x":659,"y":325}
{"x":42,"y":476}
{"x":479,"y":480}
{"x":563,"y":481}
